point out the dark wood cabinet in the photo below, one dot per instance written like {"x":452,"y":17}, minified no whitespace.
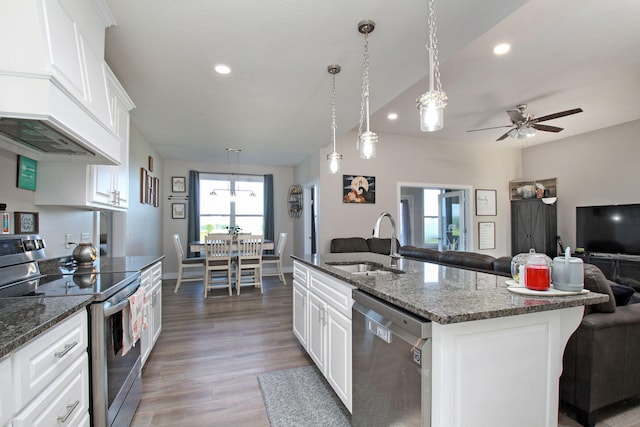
{"x":534,"y":224}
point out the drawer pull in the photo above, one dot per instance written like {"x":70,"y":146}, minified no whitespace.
{"x":67,"y":349}
{"x":70,"y":409}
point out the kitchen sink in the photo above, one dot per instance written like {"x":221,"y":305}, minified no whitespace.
{"x":366,"y":268}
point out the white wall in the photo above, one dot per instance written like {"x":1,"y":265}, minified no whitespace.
{"x":54,"y":221}
{"x":144,"y":222}
{"x":596,"y":168}
{"x":421,"y":161}
{"x":282,"y":178}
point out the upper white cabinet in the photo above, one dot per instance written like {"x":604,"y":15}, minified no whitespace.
{"x":63,"y":81}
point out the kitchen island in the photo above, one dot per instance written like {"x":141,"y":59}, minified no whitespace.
{"x":496,"y":355}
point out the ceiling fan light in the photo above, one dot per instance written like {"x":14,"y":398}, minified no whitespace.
{"x":531,"y":132}
{"x":367,"y":145}
{"x":431,"y":106}
{"x":513,"y":133}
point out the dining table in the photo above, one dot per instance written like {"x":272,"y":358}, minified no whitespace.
{"x":199,"y":245}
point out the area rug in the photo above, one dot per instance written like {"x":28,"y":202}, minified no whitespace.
{"x":301,"y":397}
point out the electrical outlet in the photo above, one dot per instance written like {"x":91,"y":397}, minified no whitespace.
{"x":84,"y":237}
{"x":67,"y":240}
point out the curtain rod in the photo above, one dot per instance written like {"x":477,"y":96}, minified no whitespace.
{"x":235,"y":174}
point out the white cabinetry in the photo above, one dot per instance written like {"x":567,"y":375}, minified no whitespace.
{"x":322,"y":324}
{"x":51,"y":377}
{"x":151,"y":280}
{"x":6,"y":396}
{"x":63,"y":80}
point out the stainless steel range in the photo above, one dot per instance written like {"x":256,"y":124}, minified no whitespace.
{"x":115,"y":379}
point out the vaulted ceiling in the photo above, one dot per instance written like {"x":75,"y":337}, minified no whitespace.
{"x":275,"y":104}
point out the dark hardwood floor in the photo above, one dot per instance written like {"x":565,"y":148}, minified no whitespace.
{"x":203,"y":370}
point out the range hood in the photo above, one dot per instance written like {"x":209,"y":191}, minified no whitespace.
{"x":57,"y":102}
{"x":41,"y":136}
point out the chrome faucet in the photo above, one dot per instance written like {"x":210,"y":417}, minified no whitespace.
{"x":393,"y":249}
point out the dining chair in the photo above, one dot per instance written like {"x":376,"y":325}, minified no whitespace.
{"x":249,"y":262}
{"x":276,"y":259}
{"x":187,"y":265}
{"x":218,"y":249}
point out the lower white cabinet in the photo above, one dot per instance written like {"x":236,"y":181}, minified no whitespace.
{"x":49,"y":378}
{"x":151,"y":280}
{"x":322,"y":324}
{"x":6,"y":396}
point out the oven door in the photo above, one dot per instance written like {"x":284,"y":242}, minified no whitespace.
{"x":116,"y":383}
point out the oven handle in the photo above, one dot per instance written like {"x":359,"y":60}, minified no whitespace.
{"x":116,"y":308}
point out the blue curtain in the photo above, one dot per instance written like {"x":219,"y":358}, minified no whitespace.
{"x":193,"y":221}
{"x":269,"y":227}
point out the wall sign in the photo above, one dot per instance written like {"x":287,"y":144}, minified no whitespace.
{"x":486,"y":235}
{"x":486,"y":203}
{"x":27,"y":171}
{"x":26,"y":222}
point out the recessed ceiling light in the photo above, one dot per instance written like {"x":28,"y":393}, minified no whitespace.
{"x":501,"y":49}
{"x":222,"y":69}
{"x":392,"y":116}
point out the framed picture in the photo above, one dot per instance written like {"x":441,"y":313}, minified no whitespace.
{"x":486,"y":235}
{"x":27,"y":171}
{"x":486,"y":203}
{"x":143,"y":186}
{"x":26,"y":222}
{"x":150,"y":164}
{"x":178,"y":184}
{"x":358,"y":189}
{"x":178,"y":210}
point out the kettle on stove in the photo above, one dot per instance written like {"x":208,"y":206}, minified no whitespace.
{"x":568,"y":272}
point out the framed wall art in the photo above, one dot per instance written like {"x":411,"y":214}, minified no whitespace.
{"x":178,"y":184}
{"x":27,"y":172}
{"x":486,"y":203}
{"x":358,"y":189}
{"x":26,"y":222}
{"x":486,"y":235}
{"x":178,"y":210}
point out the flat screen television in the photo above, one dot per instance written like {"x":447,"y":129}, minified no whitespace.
{"x":613,"y":229}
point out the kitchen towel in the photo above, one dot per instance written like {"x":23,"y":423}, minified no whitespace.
{"x":134,"y":320}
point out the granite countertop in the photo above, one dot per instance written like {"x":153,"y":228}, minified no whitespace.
{"x":443,"y":294}
{"x":24,"y":318}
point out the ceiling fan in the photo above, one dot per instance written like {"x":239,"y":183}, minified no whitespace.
{"x":524,"y":125}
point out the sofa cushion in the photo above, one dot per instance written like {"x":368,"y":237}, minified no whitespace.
{"x":349,"y":244}
{"x":628,"y":281}
{"x":381,"y":246}
{"x":621,"y":293}
{"x":468,"y":260}
{"x":503,"y":265}
{"x":423,"y":254}
{"x":595,"y":281}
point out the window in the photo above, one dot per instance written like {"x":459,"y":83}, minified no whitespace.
{"x":430,"y":217}
{"x":219,"y":210}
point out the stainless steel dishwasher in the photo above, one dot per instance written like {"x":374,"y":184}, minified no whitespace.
{"x":391,"y":365}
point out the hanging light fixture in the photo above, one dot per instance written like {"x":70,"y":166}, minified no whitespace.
{"x":366,"y":140}
{"x":432,"y":103}
{"x":233,"y":191}
{"x":334,"y":157}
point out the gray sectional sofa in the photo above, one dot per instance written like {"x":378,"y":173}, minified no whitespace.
{"x":601,"y":363}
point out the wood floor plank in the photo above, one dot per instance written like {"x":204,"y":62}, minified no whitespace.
{"x":203,"y":370}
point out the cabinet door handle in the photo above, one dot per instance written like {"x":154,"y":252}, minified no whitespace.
{"x":67,"y":349}
{"x":70,"y":409}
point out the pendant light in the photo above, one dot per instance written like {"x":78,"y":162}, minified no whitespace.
{"x":366,"y":140}
{"x":235,"y":189}
{"x":334,"y":157}
{"x":432,"y":103}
